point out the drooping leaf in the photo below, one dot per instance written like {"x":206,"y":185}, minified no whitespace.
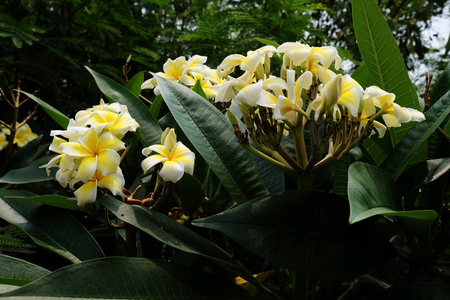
{"x":56,"y":201}
{"x":55,"y":114}
{"x":128,"y":278}
{"x":134,"y":84}
{"x":415,"y":291}
{"x":303,"y":230}
{"x":168,"y":231}
{"x":413,"y":140}
{"x":18,"y":272}
{"x":163,"y":228}
{"x":52,"y":228}
{"x":382,"y":57}
{"x":422,"y":173}
{"x":213,"y":137}
{"x":372,"y":192}
{"x":149,"y":128}
{"x":27,"y":174}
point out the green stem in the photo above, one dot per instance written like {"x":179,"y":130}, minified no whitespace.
{"x":292,"y":162}
{"x":269,"y":159}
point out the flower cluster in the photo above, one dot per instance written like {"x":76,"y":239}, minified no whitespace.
{"x":88,"y":150}
{"x":22,"y":137}
{"x":175,"y":157}
{"x":309,"y":96}
{"x":188,"y":72}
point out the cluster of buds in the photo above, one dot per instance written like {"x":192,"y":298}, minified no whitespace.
{"x":307,"y":98}
{"x":22,"y":136}
{"x":88,"y":150}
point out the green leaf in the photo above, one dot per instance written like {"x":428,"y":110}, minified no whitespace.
{"x":189,"y":190}
{"x":372,"y":192}
{"x":55,"y":114}
{"x":155,"y":108}
{"x":199,"y":90}
{"x":415,"y":291}
{"x":382,"y":57}
{"x":52,"y":228}
{"x":413,"y":140}
{"x":340,"y":175}
{"x":128,"y":278}
{"x":303,"y":230}
{"x":27,"y":174}
{"x":149,"y":128}
{"x":212,"y":135}
{"x":56,"y":201}
{"x":134,"y":84}
{"x":267,"y":42}
{"x":26,"y":154}
{"x":163,"y":228}
{"x":18,"y":272}
{"x":422,"y":173}
{"x":363,"y":76}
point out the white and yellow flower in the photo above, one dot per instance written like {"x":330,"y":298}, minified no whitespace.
{"x":87,"y":193}
{"x":96,"y":152}
{"x":3,"y":138}
{"x":341,"y":90}
{"x":175,"y":157}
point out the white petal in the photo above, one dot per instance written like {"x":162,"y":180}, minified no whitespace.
{"x":172,"y":171}
{"x":151,"y":161}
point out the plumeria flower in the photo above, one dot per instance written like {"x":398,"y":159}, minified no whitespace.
{"x":3,"y":139}
{"x":66,"y":162}
{"x":87,"y":193}
{"x":23,"y":135}
{"x":249,"y":62}
{"x":341,"y":90}
{"x":96,"y":152}
{"x":308,"y":57}
{"x":175,"y":157}
{"x":209,"y":89}
{"x":393,"y":114}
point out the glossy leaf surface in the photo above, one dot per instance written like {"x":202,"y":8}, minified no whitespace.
{"x":303,"y":230}
{"x":213,"y":137}
{"x":18,"y":272}
{"x":127,"y":278}
{"x":372,"y":191}
{"x":52,"y":228}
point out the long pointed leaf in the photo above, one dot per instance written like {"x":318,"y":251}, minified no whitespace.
{"x":213,"y":137}
{"x":55,"y":114}
{"x":18,"y":272}
{"x":167,"y":231}
{"x":149,"y":128}
{"x":52,"y":228}
{"x":413,"y":140}
{"x":382,"y":57}
{"x":127,"y":278}
{"x":27,"y":174}
{"x":163,"y":228}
